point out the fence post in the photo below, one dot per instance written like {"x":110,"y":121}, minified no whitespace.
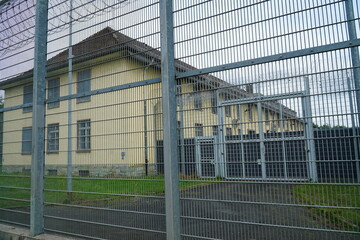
{"x":356,"y":70}
{"x":172,"y":202}
{"x":261,"y":137}
{"x":309,"y":132}
{"x":38,"y":121}
{"x":70,"y":86}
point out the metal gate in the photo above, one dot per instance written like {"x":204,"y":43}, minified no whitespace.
{"x":261,"y":147}
{"x":207,"y":160}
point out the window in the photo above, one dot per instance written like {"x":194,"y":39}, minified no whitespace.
{"x":53,"y":138}
{"x":197,"y":101}
{"x":26,"y":140}
{"x":236,"y":110}
{"x":84,"y":173}
{"x":83,"y":138}
{"x":54,"y":92}
{"x":227,"y":108}
{"x":251,"y":132}
{"x":28,"y":97}
{"x":228,"y":111}
{"x":52,"y":172}
{"x":199,"y":130}
{"x":266,"y":114}
{"x":196,"y":87}
{"x":249,"y":110}
{"x":178,"y":95}
{"x":274,"y":127}
{"x":179,"y":128}
{"x":214,"y":103}
{"x":197,"y":96}
{"x":228,"y":131}
{"x":214,"y":130}
{"x":83,"y":85}
{"x":178,"y":89}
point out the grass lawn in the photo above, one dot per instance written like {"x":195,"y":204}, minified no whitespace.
{"x":332,"y":195}
{"x":93,"y":190}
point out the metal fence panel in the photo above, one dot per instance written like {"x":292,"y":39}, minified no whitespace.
{"x":16,"y":119}
{"x":245,"y":127}
{"x":274,"y":94}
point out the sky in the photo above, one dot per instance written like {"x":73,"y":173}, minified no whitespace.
{"x":214,"y":32}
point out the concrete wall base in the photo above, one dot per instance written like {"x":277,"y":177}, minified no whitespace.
{"x":88,"y":170}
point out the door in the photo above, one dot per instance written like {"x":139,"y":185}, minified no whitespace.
{"x":206,"y":164}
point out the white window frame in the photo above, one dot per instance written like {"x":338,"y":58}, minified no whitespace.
{"x":199,"y":130}
{"x":83,"y":85}
{"x":26,"y":141}
{"x":84,"y":135}
{"x":54,"y":92}
{"x":53,"y":138}
{"x":27,"y":97}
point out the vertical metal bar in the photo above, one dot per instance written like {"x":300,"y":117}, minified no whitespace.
{"x":221,"y":136}
{"x":353,"y":124}
{"x":172,"y":201}
{"x":309,"y":132}
{"x":241,"y":140}
{"x":282,"y":141}
{"x":146,"y":148}
{"x":198,"y":157}
{"x":70,"y":85}
{"x":182,"y":141}
{"x":349,"y":6}
{"x":155,"y":138}
{"x":261,"y":136}
{"x":38,"y":121}
{"x":146,"y":138}
{"x":354,"y":50}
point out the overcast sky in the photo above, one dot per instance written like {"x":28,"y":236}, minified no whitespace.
{"x":207,"y":37}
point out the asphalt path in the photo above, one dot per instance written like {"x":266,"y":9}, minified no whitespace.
{"x":229,"y":211}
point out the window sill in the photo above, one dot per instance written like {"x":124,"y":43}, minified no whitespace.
{"x":58,"y":106}
{"x":26,"y":153}
{"x":52,"y":152}
{"x":82,"y":101}
{"x":83,"y":151}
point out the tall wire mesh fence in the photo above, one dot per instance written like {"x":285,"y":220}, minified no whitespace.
{"x":267,"y":99}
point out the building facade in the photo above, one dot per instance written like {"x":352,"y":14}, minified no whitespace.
{"x":106,"y":118}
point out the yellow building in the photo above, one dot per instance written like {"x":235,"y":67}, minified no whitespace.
{"x":116,"y":121}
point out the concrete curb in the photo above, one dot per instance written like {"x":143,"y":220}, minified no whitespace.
{"x":8,"y":232}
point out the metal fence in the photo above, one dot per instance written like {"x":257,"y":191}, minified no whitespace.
{"x":190,"y":119}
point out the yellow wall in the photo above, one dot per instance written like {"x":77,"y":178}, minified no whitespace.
{"x":117,"y":118}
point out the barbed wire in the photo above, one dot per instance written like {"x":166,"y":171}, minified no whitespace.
{"x":17,"y":18}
